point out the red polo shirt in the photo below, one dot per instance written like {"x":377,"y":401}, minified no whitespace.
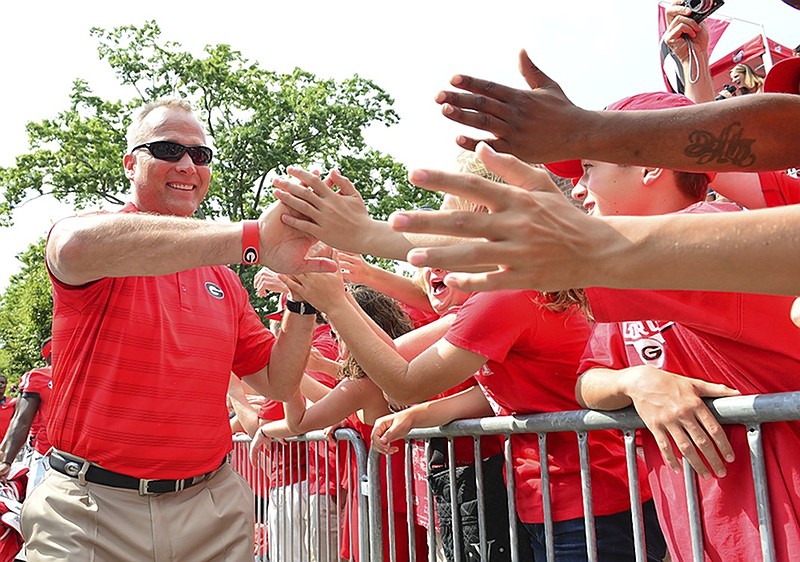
{"x":141,"y":368}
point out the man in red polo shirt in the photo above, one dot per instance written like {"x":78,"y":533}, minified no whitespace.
{"x":30,"y":419}
{"x":148,"y":324}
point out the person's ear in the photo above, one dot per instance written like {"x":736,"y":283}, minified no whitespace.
{"x":651,"y":175}
{"x":129,"y":162}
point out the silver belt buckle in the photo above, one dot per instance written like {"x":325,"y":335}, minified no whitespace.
{"x":72,"y":468}
{"x":143,"y":491}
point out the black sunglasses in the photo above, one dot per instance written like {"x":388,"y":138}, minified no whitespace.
{"x":172,"y":152}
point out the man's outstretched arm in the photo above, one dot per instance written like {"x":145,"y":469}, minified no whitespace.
{"x":750,"y":133}
{"x":538,"y":240}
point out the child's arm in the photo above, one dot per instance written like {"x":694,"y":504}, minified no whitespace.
{"x":470,"y":403}
{"x":671,"y":407}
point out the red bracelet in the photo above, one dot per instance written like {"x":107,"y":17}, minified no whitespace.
{"x":250,"y":241}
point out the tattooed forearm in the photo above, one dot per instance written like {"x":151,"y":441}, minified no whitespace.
{"x":729,"y":147}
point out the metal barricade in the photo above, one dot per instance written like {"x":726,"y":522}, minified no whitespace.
{"x":750,"y":411}
{"x":297,"y":520}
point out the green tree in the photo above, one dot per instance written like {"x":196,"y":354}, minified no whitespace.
{"x":26,"y":314}
{"x":259,"y":122}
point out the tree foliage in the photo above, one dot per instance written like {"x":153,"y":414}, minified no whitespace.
{"x":259,"y":122}
{"x":26,"y":314}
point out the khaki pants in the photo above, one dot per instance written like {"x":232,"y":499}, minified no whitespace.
{"x":212,"y":521}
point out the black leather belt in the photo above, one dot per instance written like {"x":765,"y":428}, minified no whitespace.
{"x":83,"y":470}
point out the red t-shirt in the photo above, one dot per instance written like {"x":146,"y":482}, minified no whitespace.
{"x":747,"y":342}
{"x":780,"y":188}
{"x":7,"y":407}
{"x":141,"y":368}
{"x":418,"y":316}
{"x":350,"y":521}
{"x":38,"y":381}
{"x":533,"y":356}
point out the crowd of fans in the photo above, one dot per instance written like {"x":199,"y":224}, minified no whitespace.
{"x":151,"y":330}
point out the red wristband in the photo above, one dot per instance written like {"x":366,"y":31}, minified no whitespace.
{"x":250,"y":241}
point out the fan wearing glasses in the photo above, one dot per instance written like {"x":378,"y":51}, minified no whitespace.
{"x":149,"y":323}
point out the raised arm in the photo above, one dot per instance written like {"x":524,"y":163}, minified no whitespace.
{"x":89,"y":247}
{"x":333,"y":216}
{"x":281,"y":376}
{"x":438,"y":368}
{"x":683,"y":31}
{"x":670,"y":406}
{"x":540,"y":241}
{"x":541,"y":125}
{"x":402,"y":289}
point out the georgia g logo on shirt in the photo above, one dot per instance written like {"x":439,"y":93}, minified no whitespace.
{"x":214,"y":290}
{"x":647,"y":342}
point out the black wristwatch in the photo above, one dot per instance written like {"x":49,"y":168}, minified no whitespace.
{"x":300,"y":307}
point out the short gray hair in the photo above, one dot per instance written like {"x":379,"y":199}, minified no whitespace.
{"x":132,"y":136}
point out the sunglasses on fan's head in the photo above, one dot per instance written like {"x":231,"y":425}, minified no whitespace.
{"x":173,"y":151}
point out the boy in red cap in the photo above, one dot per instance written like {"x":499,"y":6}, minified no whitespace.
{"x":701,"y":344}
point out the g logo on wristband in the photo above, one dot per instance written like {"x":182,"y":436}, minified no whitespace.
{"x":249,"y":255}
{"x":250,"y":241}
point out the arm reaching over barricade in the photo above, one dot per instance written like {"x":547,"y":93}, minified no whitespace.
{"x":671,"y":407}
{"x":533,"y":237}
{"x":332,"y":210}
{"x":403,"y":289}
{"x":470,"y":403}
{"x":537,"y":239}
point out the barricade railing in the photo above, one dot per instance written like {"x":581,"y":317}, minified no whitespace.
{"x":306,"y":525}
{"x":750,"y":411}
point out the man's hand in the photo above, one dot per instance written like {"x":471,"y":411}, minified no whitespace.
{"x":533,"y":235}
{"x":525,"y":123}
{"x":285,"y":249}
{"x":672,"y":409}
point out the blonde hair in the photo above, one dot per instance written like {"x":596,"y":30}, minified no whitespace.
{"x":752,"y":81}
{"x":558,"y":301}
{"x":133,"y":135}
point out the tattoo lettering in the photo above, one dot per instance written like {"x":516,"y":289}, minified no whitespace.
{"x":728,"y":147}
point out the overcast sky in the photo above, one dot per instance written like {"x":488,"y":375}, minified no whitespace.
{"x":598,"y":52}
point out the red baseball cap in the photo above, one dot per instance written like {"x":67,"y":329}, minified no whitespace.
{"x":573,"y":169}
{"x":784,"y":77}
{"x":278,"y":314}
